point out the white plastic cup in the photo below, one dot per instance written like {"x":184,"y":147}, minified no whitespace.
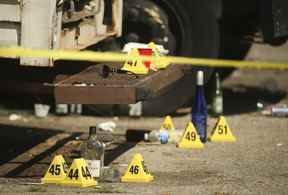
{"x":41,"y":110}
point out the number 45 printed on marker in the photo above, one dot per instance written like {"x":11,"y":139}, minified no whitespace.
{"x":55,"y":170}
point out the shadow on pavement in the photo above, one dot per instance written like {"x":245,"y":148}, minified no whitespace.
{"x":17,"y":140}
{"x":132,"y":137}
{"x":243,"y":99}
{"x":17,"y":161}
{"x":27,"y":152}
{"x":111,"y":155}
{"x":239,"y":99}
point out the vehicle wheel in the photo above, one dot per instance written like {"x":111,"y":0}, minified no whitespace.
{"x":185,"y":28}
{"x":195,"y":31}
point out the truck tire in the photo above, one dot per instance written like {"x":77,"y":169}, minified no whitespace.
{"x":194,"y":25}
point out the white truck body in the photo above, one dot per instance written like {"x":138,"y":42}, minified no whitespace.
{"x":45,"y":24}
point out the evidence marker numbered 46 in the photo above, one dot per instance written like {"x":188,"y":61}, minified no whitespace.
{"x":137,"y":171}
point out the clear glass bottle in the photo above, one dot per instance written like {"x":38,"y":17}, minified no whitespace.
{"x":199,"y":109}
{"x":152,"y":136}
{"x":93,"y":152}
{"x":157,"y":135}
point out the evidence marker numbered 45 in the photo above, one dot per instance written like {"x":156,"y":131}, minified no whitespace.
{"x":56,"y":172}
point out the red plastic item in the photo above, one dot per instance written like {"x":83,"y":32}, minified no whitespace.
{"x":145,"y":52}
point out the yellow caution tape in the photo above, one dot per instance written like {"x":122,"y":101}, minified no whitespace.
{"x":119,"y":57}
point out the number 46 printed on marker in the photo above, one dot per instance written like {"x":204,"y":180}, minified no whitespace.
{"x":134,"y":169}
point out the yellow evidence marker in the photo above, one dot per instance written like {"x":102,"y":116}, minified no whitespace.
{"x":158,"y":64}
{"x":79,"y":175}
{"x":135,"y":66}
{"x":137,"y":171}
{"x":190,"y":138}
{"x":167,"y":124}
{"x":56,"y":172}
{"x":222,"y":132}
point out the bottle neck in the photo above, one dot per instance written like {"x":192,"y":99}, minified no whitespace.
{"x":218,"y":84}
{"x":199,"y":88}
{"x":199,"y":104}
{"x":92,"y":132}
{"x":200,"y":78}
{"x":93,"y":136}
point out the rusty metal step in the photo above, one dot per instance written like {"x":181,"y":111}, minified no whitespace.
{"x":90,"y":87}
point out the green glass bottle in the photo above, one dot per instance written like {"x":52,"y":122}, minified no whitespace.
{"x":217,"y":100}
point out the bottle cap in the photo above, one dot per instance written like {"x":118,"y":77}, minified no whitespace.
{"x":163,"y":137}
{"x":200,"y":77}
{"x":92,"y":130}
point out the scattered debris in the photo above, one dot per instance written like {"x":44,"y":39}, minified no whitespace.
{"x":277,"y":110}
{"x":75,"y":109}
{"x":79,"y":84}
{"x":164,"y":137}
{"x":107,"y":126}
{"x":135,"y":109}
{"x":14,"y":117}
{"x":37,"y":189}
{"x":280,"y":144}
{"x":157,"y":135}
{"x":129,"y":46}
{"x":41,"y":110}
{"x":110,"y":174}
{"x":61,"y":109}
